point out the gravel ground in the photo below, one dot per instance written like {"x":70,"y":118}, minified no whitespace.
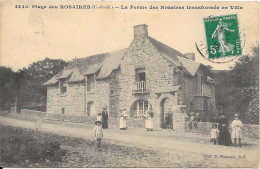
{"x":138,"y":148}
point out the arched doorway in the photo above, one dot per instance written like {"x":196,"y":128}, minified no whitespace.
{"x":139,"y":108}
{"x":166,"y":115}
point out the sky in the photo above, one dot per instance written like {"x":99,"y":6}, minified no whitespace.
{"x":29,"y":35}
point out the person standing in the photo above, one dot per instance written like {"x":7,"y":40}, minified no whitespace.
{"x":98,"y":133}
{"x":192,"y":120}
{"x":236,"y":126}
{"x":214,"y":133}
{"x":123,"y":117}
{"x":224,"y":135}
{"x":104,"y":118}
{"x":149,"y":120}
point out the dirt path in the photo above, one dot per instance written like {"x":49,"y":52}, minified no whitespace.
{"x":218,"y":154}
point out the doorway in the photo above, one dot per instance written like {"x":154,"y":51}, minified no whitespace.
{"x":166,"y":115}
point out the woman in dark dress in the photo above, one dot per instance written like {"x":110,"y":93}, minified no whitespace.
{"x":104,"y":118}
{"x":224,"y":135}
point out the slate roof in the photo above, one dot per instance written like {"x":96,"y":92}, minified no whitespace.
{"x":190,"y":65}
{"x":104,"y":64}
{"x":161,"y":47}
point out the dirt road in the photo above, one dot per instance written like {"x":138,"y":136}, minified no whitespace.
{"x":166,"y":141}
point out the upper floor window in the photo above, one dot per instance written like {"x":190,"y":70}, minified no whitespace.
{"x":90,"y":82}
{"x":140,"y":85}
{"x":63,"y":86}
{"x":202,"y":86}
{"x":199,"y":80}
{"x":140,"y":74}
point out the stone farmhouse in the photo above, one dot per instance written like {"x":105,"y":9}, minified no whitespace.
{"x":146,"y":74}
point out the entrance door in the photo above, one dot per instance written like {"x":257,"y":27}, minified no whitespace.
{"x":166,"y":113}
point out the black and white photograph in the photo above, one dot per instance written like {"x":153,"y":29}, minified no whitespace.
{"x":129,"y":84}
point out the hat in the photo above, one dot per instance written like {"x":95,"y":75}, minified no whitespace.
{"x":97,"y":121}
{"x":236,"y":115}
{"x":105,"y":107}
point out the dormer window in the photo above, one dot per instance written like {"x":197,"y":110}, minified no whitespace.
{"x":90,"y":82}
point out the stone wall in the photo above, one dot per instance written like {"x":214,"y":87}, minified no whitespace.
{"x":33,"y":113}
{"x":195,"y":101}
{"x":73,"y":101}
{"x":158,"y":71}
{"x":99,"y":95}
{"x":249,"y":131}
{"x":112,"y":122}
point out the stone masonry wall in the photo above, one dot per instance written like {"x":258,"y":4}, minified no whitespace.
{"x":158,"y":71}
{"x":189,"y":85}
{"x":99,"y":95}
{"x":72,"y":100}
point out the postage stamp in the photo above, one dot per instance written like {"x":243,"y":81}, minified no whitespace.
{"x":222,"y":36}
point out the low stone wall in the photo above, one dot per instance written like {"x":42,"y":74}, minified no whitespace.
{"x":139,"y":123}
{"x":249,"y":131}
{"x":33,"y":113}
{"x":112,"y":122}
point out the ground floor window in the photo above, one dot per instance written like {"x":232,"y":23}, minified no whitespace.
{"x":140,"y":108}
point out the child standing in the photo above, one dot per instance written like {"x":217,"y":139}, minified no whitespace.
{"x":236,"y":126}
{"x":214,"y":134}
{"x":98,"y":133}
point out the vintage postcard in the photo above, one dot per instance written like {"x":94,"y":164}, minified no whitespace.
{"x":129,"y":84}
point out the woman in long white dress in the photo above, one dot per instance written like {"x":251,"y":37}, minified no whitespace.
{"x":122,"y":124}
{"x":236,"y":126}
{"x":149,"y":120}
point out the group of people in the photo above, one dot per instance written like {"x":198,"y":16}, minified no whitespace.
{"x":102,"y":123}
{"x":221,"y":133}
{"x":194,"y":119}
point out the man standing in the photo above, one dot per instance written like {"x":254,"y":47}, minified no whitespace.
{"x":104,"y":118}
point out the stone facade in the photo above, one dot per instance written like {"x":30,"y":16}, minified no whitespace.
{"x":149,"y":75}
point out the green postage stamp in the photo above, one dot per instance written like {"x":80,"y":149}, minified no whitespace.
{"x":222,"y":35}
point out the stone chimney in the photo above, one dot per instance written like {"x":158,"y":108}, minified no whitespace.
{"x":140,"y":31}
{"x":190,"y":56}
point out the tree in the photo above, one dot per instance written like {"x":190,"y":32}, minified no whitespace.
{"x":26,"y":83}
{"x":32,"y":89}
{"x":237,"y":90}
{"x":6,"y":87}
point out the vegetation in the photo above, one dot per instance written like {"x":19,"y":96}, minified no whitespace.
{"x":237,"y":90}
{"x":20,"y":147}
{"x":27,"y":82}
